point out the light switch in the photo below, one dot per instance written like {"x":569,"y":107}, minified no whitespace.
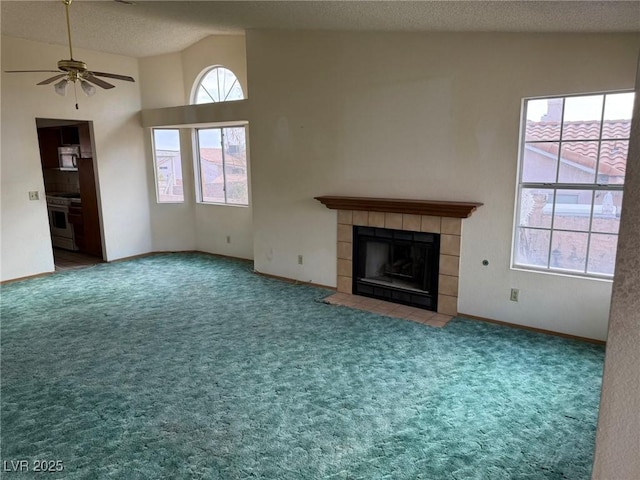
{"x":34,"y":196}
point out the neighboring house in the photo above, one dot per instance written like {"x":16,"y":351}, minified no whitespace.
{"x":214,"y":176}
{"x":170,"y":184}
{"x":581,"y":160}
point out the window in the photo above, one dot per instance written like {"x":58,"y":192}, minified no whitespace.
{"x":222,"y":165}
{"x":221,"y":161}
{"x":219,"y":84}
{"x":573,"y":156}
{"x":168,"y":165}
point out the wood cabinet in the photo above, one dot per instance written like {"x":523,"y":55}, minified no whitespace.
{"x":50,"y":138}
{"x":91,"y":237}
{"x":84,"y":138}
{"x":49,"y":141}
{"x":69,"y":135}
{"x":76,"y":219}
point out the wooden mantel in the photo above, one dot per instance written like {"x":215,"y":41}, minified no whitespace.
{"x":434,"y":208}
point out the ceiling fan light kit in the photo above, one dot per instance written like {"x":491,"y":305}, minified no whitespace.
{"x":87,"y":88}
{"x":61,"y":87}
{"x":73,"y":71}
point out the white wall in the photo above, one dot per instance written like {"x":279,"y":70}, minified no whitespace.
{"x":172,"y":224}
{"x":427,"y":116}
{"x":190,"y":226}
{"x":162,"y":81}
{"x":121,"y":170}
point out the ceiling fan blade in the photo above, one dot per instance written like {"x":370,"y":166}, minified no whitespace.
{"x":113,"y":75}
{"x":52,"y":79}
{"x":31,"y":71}
{"x":101,"y":83}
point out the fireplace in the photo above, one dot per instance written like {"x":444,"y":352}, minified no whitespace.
{"x":396,"y":265}
{"x":441,"y":221}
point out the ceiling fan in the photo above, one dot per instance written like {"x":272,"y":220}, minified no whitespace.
{"x":73,"y":71}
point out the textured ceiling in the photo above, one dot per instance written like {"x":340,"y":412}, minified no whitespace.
{"x":156,"y":27}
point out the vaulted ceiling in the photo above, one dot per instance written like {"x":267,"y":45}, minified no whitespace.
{"x":148,"y":28}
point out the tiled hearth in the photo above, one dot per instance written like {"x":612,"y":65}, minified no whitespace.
{"x":444,"y":218}
{"x":389,"y":309}
{"x":449,"y":229}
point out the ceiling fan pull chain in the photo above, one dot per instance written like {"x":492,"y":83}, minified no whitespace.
{"x":75,"y":94}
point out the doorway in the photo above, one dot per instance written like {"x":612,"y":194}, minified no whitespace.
{"x":68,"y":169}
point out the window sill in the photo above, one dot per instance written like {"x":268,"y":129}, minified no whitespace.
{"x":559,"y":273}
{"x":223,"y":204}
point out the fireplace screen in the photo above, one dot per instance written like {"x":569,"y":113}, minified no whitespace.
{"x":396,"y":265}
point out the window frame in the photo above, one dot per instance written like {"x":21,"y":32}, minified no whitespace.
{"x":200,"y":78}
{"x":198,"y":166}
{"x":557,"y":187}
{"x":155,"y":165}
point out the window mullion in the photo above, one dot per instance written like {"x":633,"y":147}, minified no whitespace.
{"x":553,"y":217}
{"x":560,"y":140}
{"x":555,"y":189}
{"x":597,"y":167}
{"x":218,"y":82}
{"x":593,"y":192}
{"x":207,"y":92}
{"x":224,"y":170}
{"x":575,"y":186}
{"x":230,"y":89}
{"x":593,"y":205}
{"x":199,"y":167}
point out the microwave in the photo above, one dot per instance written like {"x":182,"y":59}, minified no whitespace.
{"x":68,"y":157}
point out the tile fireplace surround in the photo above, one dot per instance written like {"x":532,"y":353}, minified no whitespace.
{"x":440,"y":217}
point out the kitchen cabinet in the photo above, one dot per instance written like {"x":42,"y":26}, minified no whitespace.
{"x":69,"y":135}
{"x":50,"y":138}
{"x":76,"y":219}
{"x":84,"y":138}
{"x":90,"y":216}
{"x":49,"y":141}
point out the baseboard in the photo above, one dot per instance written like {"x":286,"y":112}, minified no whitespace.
{"x":293,"y":281}
{"x":532,"y":329}
{"x":28,"y":277}
{"x":219,"y":255}
{"x":165,"y":252}
{"x":133,"y":257}
{"x":247,"y":260}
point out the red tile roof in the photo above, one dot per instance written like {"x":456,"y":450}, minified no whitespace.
{"x":214,"y":155}
{"x":612,"y":129}
{"x":613,"y":150}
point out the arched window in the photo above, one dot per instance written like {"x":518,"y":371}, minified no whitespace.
{"x":219,"y":84}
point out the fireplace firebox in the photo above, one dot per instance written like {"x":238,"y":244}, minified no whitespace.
{"x":396,"y":266}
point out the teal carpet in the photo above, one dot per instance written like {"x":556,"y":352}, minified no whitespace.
{"x":187,"y":366}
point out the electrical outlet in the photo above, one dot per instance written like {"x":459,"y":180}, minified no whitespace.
{"x":300,"y":260}
{"x":228,"y":238}
{"x":515,"y":294}
{"x":34,"y":196}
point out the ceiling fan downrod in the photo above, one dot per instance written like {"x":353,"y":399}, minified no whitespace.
{"x":73,"y":67}
{"x":66,"y":9}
